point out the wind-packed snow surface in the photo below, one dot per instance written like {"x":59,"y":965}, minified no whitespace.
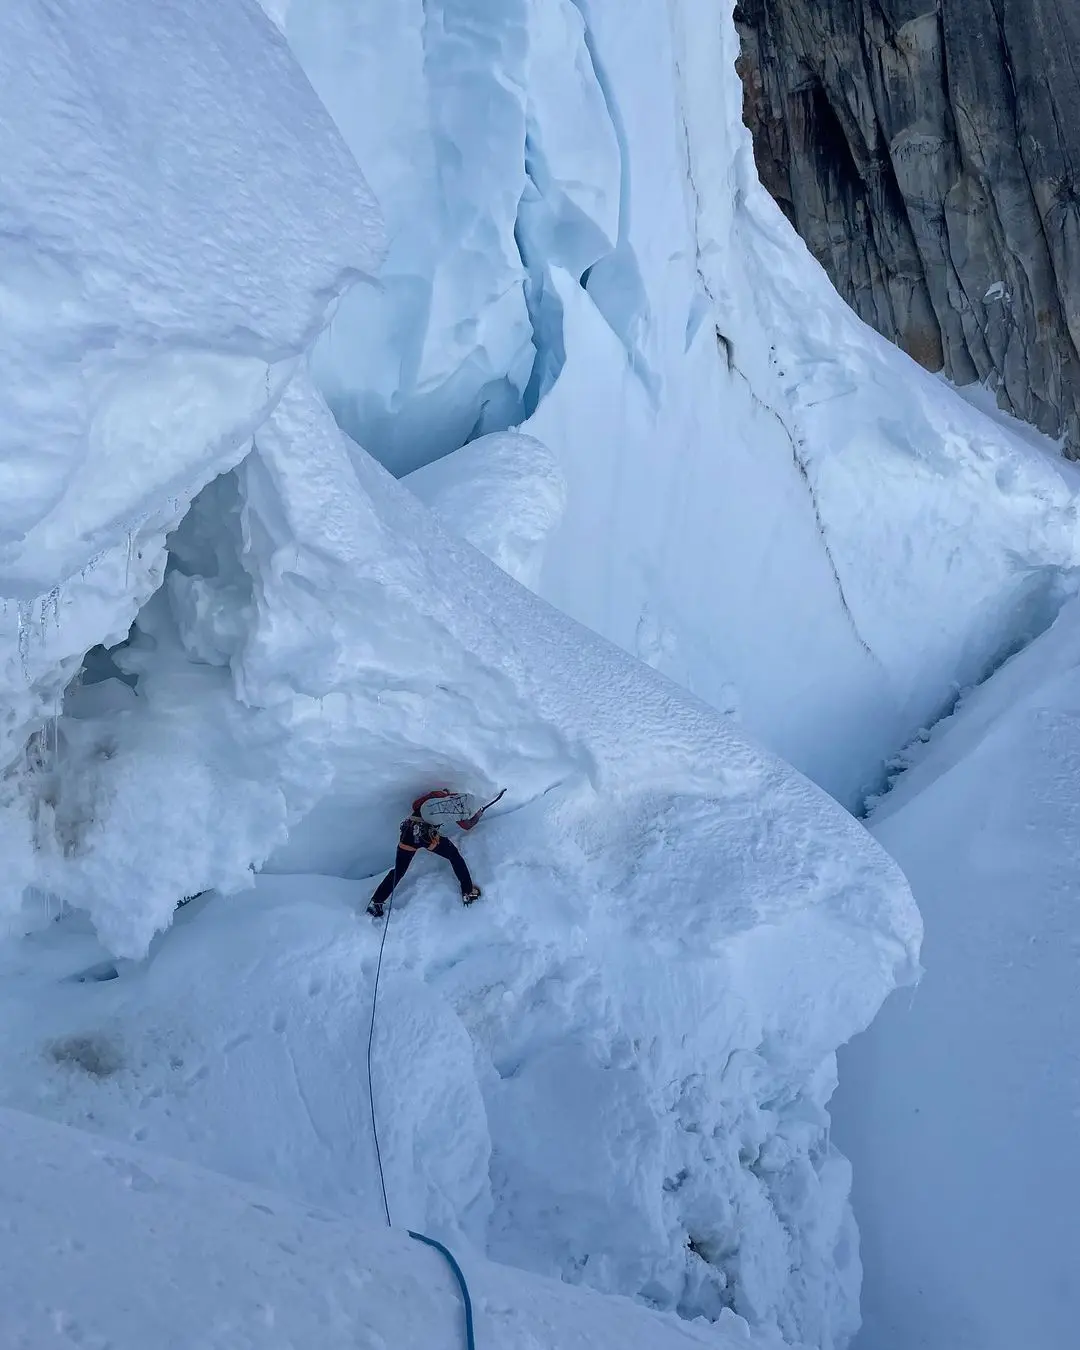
{"x":505,"y":493}
{"x":960,"y":1106}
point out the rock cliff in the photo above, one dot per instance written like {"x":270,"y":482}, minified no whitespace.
{"x":928,"y":151}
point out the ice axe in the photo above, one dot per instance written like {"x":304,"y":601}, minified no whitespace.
{"x":475,"y":819}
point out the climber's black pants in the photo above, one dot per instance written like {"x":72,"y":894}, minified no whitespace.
{"x":444,"y":848}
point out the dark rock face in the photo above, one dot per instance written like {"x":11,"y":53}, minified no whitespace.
{"x":928,"y":151}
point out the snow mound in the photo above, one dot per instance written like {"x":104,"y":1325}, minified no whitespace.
{"x":960,"y":1105}
{"x":504,"y":493}
{"x":113,"y":1245}
{"x":179,"y":217}
{"x":680,"y":1060}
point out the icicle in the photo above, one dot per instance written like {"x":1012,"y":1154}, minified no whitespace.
{"x":127,"y":558}
{"x":26,"y":615}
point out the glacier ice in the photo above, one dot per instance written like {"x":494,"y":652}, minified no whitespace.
{"x":234,"y":646}
{"x":167,"y":253}
{"x":722,"y":422}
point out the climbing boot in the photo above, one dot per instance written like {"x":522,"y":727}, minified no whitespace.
{"x":376,"y":909}
{"x":467,"y":897}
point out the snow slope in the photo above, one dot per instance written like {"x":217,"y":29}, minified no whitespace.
{"x":959,"y":1107}
{"x":150,"y":1252}
{"x":758,"y":432}
{"x":239,"y":1047}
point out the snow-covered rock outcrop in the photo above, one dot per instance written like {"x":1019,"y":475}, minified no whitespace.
{"x":923,"y":152}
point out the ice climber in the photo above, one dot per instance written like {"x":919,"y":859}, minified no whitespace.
{"x":422,"y":831}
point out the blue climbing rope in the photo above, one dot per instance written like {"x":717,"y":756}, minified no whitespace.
{"x":470,"y":1339}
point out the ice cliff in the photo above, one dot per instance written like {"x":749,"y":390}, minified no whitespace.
{"x":723,"y":423}
{"x":169,"y":249}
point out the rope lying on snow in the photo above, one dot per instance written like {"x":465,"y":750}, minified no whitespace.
{"x":470,"y":1339}
{"x":430,"y":1242}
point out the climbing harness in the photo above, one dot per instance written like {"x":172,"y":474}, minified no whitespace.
{"x":470,"y":1339}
